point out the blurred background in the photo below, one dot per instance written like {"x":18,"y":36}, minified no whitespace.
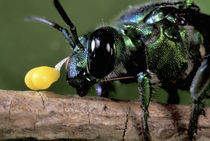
{"x":25,"y":45}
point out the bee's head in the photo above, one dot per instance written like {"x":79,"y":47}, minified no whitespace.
{"x":77,"y":74}
{"x":95,"y":60}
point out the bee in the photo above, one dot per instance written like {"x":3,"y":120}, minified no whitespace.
{"x":160,"y":40}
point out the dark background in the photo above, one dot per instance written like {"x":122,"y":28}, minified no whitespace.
{"x":25,"y":45}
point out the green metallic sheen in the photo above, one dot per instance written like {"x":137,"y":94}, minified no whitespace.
{"x":169,"y":47}
{"x":145,"y":97}
{"x":153,"y":40}
{"x":165,"y":41}
{"x":143,"y":83}
{"x":189,"y":2}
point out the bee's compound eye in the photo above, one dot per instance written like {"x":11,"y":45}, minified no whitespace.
{"x":101,"y":53}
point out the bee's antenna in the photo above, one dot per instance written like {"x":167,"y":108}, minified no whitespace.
{"x":54,"y":25}
{"x":69,"y":23}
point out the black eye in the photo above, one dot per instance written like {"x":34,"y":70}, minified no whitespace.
{"x":101,"y":52}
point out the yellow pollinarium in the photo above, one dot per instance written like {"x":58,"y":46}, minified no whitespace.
{"x":43,"y":77}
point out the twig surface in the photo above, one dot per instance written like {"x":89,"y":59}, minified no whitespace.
{"x":45,"y":115}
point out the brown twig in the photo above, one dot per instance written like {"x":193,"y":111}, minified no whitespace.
{"x":45,"y":115}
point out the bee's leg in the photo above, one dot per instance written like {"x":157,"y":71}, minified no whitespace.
{"x":144,"y":96}
{"x":173,"y":97}
{"x":199,"y":90}
{"x":103,"y":89}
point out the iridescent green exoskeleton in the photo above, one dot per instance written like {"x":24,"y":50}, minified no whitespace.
{"x":166,"y":43}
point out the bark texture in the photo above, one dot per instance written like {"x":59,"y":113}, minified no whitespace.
{"x":45,"y":116}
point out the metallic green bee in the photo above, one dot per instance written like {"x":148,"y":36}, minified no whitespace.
{"x":167,"y":42}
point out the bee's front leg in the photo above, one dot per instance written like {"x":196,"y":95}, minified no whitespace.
{"x":199,"y":90}
{"x":144,"y":95}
